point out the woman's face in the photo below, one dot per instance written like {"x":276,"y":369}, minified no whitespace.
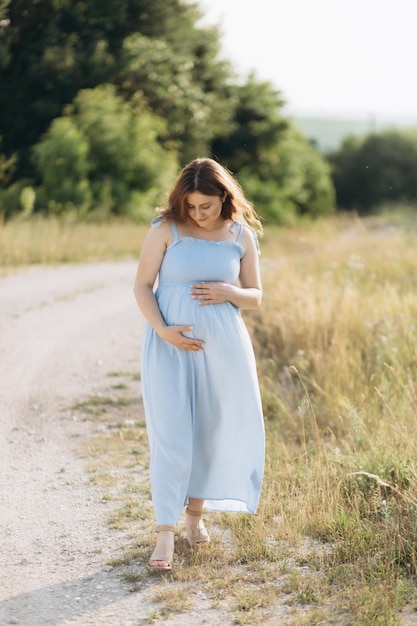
{"x":205,"y":211}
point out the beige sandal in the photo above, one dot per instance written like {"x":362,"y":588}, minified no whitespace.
{"x":195,"y":529}
{"x":163,"y":555}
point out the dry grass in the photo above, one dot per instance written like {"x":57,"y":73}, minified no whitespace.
{"x":335,"y":537}
{"x":336,"y":342}
{"x":52,"y":240}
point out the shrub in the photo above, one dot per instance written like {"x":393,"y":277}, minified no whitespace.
{"x":378,"y":169}
{"x":289,"y":180}
{"x":103,"y":155}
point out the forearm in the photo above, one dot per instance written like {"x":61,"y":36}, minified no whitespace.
{"x":147,"y":303}
{"x":208,"y":293}
{"x":249,"y":298}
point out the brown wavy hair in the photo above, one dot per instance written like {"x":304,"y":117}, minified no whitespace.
{"x":211,"y":179}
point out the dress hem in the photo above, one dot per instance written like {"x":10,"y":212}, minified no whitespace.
{"x":224,"y":505}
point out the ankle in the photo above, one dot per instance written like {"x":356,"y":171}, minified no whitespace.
{"x":165,"y":528}
{"x":193,"y":513}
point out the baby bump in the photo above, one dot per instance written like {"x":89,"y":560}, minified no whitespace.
{"x":179,"y":308}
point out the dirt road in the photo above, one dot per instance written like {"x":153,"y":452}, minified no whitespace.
{"x":61,"y":331}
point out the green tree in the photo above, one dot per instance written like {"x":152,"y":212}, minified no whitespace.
{"x":5,"y":34}
{"x":104,"y":154}
{"x":62,"y":160}
{"x":170,"y":93}
{"x":281,"y":171}
{"x":294,"y":180}
{"x":375,"y":170}
{"x":54,"y":48}
{"x":256,"y":125}
{"x":170,"y":84}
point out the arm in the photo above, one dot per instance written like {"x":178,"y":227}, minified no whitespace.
{"x":153,"y":251}
{"x":248,"y":295}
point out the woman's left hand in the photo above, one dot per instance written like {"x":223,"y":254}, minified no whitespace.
{"x":211,"y":292}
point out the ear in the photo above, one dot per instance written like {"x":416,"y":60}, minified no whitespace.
{"x":224,"y":196}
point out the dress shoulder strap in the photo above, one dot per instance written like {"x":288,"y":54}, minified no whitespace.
{"x":240,"y":233}
{"x":157,"y":221}
{"x":237,"y":227}
{"x":175,"y":232}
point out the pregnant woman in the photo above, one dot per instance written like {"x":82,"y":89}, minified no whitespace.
{"x":198,"y":267}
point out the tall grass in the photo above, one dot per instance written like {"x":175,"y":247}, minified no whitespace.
{"x":53,"y":240}
{"x":336,"y":340}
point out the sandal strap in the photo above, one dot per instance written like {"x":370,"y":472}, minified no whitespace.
{"x":164,"y":549}
{"x":193,"y":513}
{"x":165,"y":528}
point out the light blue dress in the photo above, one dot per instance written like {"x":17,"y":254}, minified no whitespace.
{"x":203,"y":409}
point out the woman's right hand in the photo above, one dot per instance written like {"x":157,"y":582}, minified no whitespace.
{"x":173,"y":335}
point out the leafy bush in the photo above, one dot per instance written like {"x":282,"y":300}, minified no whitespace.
{"x":62,"y":160}
{"x":291,"y":179}
{"x":11,"y":199}
{"x":378,"y":169}
{"x":103,"y":154}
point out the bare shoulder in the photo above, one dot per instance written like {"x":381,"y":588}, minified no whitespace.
{"x":160,"y":232}
{"x":249,"y":239}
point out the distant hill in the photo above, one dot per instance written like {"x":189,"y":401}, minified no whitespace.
{"x":328,"y":133}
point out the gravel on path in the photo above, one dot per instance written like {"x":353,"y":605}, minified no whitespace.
{"x":63,"y":329}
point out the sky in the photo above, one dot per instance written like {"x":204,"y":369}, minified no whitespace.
{"x":350,"y":58}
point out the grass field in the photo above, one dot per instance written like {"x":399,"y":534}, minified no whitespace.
{"x":335,"y":538}
{"x":336,"y":341}
{"x":41,"y":240}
